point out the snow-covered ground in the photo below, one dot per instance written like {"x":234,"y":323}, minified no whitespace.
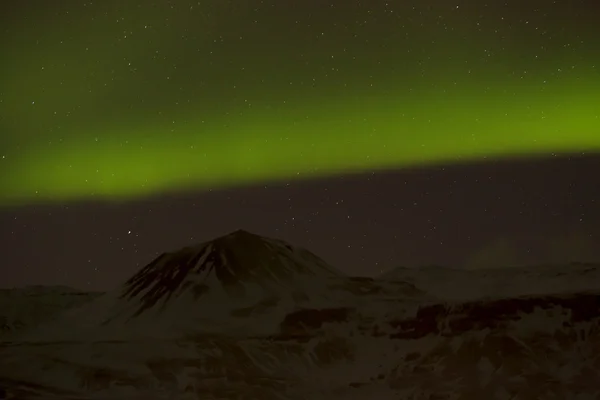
{"x":22,"y":308}
{"x":462,"y":284}
{"x":246,"y":317}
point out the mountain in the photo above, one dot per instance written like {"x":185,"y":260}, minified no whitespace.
{"x":229,"y":264}
{"x":247,"y":317}
{"x":240,"y":283}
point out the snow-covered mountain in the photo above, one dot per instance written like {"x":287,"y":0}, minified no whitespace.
{"x":233,"y":265}
{"x":247,"y":317}
{"x":238,"y":284}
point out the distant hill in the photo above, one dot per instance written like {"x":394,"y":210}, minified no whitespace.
{"x":458,"y":283}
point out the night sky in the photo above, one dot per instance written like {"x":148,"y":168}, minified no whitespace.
{"x":376,"y":134}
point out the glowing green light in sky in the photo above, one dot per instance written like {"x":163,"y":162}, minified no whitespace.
{"x":108,"y":101}
{"x":318,"y":141}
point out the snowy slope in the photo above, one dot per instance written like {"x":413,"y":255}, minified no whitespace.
{"x":26,"y":307}
{"x":275,"y":322}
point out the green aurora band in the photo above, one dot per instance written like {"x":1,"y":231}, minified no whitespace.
{"x":120,"y":152}
{"x":352,"y":138}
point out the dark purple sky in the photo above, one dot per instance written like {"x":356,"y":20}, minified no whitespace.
{"x":495,"y":213}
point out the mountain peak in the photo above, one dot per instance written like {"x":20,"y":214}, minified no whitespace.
{"x":237,"y":239}
{"x":241,"y":232}
{"x":227,"y":263}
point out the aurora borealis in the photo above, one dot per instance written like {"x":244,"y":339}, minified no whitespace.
{"x":117,"y":100}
